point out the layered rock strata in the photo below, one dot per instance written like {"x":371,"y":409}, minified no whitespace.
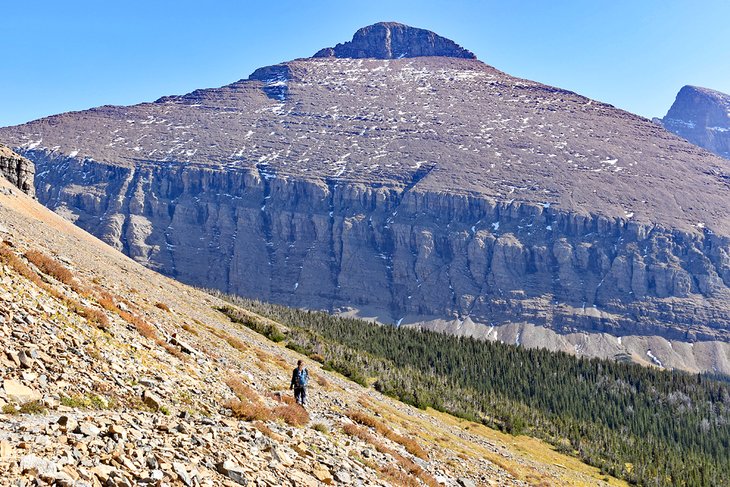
{"x":17,"y":169}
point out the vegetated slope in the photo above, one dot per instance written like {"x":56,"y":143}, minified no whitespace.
{"x":429,"y":189}
{"x":115,"y":375}
{"x":648,"y":426}
{"x":702,"y":116}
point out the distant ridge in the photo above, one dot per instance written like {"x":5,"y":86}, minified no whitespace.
{"x":702,"y":116}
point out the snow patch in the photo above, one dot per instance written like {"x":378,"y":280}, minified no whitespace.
{"x":654,"y":359}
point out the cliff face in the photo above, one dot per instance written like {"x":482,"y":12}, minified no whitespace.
{"x":17,"y":169}
{"x":425,"y":190}
{"x":401,"y":254}
{"x":701,"y":116}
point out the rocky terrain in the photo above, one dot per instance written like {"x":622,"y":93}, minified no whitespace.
{"x":114,"y":375}
{"x":425,"y":190}
{"x":702,"y":116}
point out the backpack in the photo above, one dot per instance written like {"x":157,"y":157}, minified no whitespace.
{"x":301,"y":378}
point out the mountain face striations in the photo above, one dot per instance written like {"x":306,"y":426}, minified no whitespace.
{"x":17,"y":169}
{"x":701,"y":116}
{"x":431,"y":190}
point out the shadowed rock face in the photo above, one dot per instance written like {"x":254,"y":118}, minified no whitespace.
{"x":429,"y":189}
{"x":390,"y":40}
{"x":701,"y":116}
{"x":17,"y":169}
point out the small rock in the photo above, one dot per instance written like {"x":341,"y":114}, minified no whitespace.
{"x":323,"y":474}
{"x":40,"y":467}
{"x":25,"y":360}
{"x":281,"y":457}
{"x":181,"y":472}
{"x":87,"y":428}
{"x":67,"y":424}
{"x":232,"y":471}
{"x":13,"y":356}
{"x":464,"y":482}
{"x":343,"y":476}
{"x":103,"y":472}
{"x":152,"y":400}
{"x":115,"y":429}
{"x":6,"y":451}
{"x":117,"y":479}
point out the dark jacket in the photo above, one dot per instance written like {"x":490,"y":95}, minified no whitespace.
{"x":299,"y":379}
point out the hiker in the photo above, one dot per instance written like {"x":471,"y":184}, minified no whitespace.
{"x":299,"y":379}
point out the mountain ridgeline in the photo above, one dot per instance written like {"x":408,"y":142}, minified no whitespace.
{"x":397,"y":177}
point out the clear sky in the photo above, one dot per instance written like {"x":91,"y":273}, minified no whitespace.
{"x":58,"y":56}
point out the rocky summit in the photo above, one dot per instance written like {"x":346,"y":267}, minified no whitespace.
{"x":391,"y":40}
{"x":396,"y":177}
{"x":113,"y":375}
{"x":702,"y":116}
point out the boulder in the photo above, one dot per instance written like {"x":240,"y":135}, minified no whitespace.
{"x":17,"y":392}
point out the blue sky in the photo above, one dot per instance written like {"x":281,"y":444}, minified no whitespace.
{"x":70,"y":55}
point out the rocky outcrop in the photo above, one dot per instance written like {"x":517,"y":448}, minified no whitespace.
{"x":391,"y":40}
{"x":17,"y":169}
{"x":701,"y":116}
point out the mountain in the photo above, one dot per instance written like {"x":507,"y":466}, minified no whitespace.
{"x":115,"y":375}
{"x":702,"y":116}
{"x":431,"y":191}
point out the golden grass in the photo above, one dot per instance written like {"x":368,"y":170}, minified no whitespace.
{"x":248,"y":410}
{"x":190,"y":329}
{"x":8,"y":257}
{"x":406,"y":464}
{"x":409,"y":444}
{"x":162,"y":306}
{"x":48,"y":265}
{"x":247,"y":405}
{"x":292,"y":414}
{"x":529,"y":459}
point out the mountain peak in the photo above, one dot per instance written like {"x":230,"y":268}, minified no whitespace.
{"x":391,"y":40}
{"x":702,"y":116}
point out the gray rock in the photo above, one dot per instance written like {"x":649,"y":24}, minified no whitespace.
{"x":17,"y":169}
{"x":182,"y":473}
{"x":343,"y":476}
{"x":25,"y":360}
{"x":31,"y":464}
{"x":232,"y":471}
{"x":87,"y":428}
